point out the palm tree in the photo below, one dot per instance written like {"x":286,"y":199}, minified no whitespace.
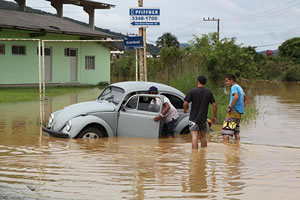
{"x":167,"y":39}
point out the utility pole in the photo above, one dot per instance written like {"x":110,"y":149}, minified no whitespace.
{"x":217,"y":20}
{"x":141,"y":51}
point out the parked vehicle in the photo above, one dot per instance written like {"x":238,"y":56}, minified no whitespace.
{"x":122,"y":109}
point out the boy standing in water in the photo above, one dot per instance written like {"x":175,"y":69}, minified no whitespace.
{"x":238,"y":100}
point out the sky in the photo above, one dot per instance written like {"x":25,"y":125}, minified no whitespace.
{"x":261,"y":23}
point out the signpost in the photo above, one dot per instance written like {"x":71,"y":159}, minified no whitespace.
{"x":143,"y":18}
{"x":134,"y":42}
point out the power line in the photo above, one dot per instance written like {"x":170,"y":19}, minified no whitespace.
{"x":267,"y":45}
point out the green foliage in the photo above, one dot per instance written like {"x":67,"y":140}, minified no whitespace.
{"x":224,"y":56}
{"x":124,"y":67}
{"x":167,"y":39}
{"x":290,"y":49}
{"x":292,"y":73}
{"x":272,"y":70}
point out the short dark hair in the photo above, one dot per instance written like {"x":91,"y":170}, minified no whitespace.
{"x":230,"y":77}
{"x":202,"y":79}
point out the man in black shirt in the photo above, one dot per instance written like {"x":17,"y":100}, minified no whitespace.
{"x":200,"y":97}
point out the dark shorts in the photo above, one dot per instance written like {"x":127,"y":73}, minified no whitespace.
{"x":231,"y":125}
{"x":201,"y":126}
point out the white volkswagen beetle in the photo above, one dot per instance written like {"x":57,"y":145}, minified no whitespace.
{"x":122,"y":109}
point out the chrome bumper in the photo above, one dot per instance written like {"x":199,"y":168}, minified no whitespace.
{"x":54,"y":133}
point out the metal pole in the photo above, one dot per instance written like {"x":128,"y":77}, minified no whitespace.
{"x":136,"y":65}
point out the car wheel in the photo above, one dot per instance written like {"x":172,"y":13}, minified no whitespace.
{"x":186,"y":130}
{"x":91,"y":133}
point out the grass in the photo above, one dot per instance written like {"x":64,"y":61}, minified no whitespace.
{"x":12,"y":95}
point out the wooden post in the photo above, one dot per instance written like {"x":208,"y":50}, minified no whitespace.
{"x":141,"y":51}
{"x":145,"y":53}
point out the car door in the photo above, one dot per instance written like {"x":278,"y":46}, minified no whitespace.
{"x":136,"y":117}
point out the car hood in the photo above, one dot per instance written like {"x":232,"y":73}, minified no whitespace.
{"x":78,"y":109}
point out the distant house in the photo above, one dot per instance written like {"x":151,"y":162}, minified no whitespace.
{"x":65,"y":62}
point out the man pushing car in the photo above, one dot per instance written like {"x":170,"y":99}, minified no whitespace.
{"x":169,"y":113}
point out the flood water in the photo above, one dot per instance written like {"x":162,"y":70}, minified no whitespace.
{"x":265,"y":165}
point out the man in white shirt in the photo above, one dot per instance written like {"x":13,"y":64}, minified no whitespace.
{"x":169,"y":113}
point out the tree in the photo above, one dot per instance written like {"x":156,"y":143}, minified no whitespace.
{"x":290,"y":49}
{"x":167,"y":39}
{"x":222,"y":57}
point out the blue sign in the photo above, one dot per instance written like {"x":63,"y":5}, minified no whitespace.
{"x":144,"y":17}
{"x":144,"y":11}
{"x":133,"y":42}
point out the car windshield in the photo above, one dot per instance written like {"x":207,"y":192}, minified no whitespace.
{"x":112,"y":94}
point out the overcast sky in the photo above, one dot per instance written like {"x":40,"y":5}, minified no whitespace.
{"x":262,"y":23}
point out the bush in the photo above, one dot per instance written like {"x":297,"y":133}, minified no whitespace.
{"x":292,"y":73}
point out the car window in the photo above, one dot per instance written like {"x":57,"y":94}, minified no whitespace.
{"x":145,"y":104}
{"x":112,"y":94}
{"x":142,"y":103}
{"x":176,"y":101}
{"x":132,"y":103}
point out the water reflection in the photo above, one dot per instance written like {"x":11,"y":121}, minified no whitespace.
{"x":197,"y":174}
{"x":35,"y":166}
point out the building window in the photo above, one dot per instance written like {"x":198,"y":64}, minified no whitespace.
{"x":89,"y":62}
{"x":2,"y":49}
{"x":18,"y":50}
{"x":47,"y":51}
{"x":70,"y":52}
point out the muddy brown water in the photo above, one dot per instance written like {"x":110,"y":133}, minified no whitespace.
{"x":265,"y":165}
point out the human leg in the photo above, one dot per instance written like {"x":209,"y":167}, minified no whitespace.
{"x":203,"y":138}
{"x":225,"y":138}
{"x":194,"y":139}
{"x":237,"y":133}
{"x":170,"y":128}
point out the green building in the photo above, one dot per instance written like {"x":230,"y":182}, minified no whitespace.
{"x":65,"y":62}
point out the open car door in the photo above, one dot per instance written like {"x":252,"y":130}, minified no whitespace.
{"x":136,"y":117}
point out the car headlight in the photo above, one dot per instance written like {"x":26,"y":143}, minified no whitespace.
{"x":68,"y":126}
{"x":51,"y":119}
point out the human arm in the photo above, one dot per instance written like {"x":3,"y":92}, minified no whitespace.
{"x":166,"y":108}
{"x":245,"y":101}
{"x":234,"y":100}
{"x":215,"y":110}
{"x":185,"y":107}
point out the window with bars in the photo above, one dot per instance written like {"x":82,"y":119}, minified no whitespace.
{"x":18,"y":50}
{"x":2,"y":49}
{"x":70,"y":52}
{"x":89,"y":62}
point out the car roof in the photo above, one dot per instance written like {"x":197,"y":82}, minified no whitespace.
{"x":131,"y":86}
